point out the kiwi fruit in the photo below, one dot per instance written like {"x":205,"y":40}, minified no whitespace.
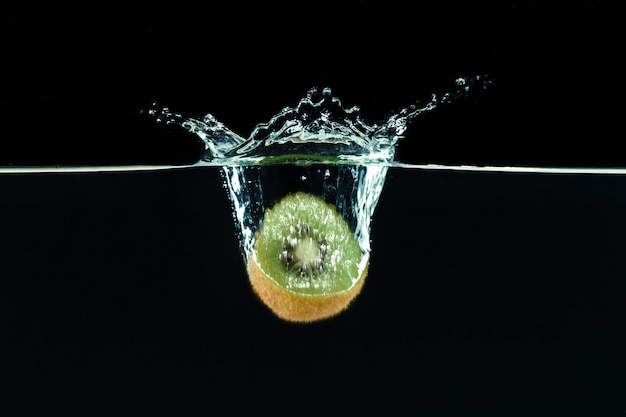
{"x":306,"y":261}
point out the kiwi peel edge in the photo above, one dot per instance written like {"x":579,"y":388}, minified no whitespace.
{"x":300,"y":308}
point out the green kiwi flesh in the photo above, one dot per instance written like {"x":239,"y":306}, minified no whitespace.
{"x":306,"y":264}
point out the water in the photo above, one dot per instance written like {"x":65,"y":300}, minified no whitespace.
{"x":317,"y":146}
{"x":353,"y":189}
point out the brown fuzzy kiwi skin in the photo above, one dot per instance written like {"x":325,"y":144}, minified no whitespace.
{"x":296,"y":308}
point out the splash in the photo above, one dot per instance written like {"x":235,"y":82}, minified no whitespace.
{"x":318,"y":128}
{"x":315,"y":130}
{"x":317,"y":146}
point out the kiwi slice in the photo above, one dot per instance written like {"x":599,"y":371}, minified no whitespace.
{"x":305,"y":265}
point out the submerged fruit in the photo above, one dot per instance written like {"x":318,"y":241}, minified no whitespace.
{"x":306,"y":264}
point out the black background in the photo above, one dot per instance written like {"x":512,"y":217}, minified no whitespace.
{"x":488,"y":294}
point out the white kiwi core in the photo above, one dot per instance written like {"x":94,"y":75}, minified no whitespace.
{"x":308,"y":252}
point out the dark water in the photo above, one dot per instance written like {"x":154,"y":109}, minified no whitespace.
{"x":494,"y":290}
